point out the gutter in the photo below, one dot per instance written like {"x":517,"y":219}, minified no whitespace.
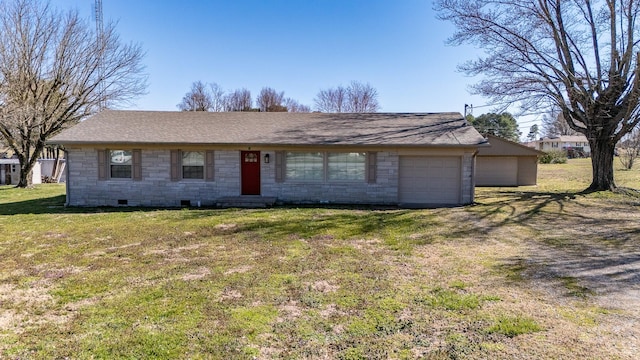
{"x":67,"y":201}
{"x":473,"y":177}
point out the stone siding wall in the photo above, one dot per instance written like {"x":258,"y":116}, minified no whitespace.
{"x":157,"y":189}
{"x":468,"y":186}
{"x":383,"y":191}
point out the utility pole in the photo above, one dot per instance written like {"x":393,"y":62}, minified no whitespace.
{"x":100,"y":44}
{"x":99,"y":20}
{"x":468,"y":110}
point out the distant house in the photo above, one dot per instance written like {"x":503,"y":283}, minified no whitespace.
{"x":147,"y":158}
{"x":10,"y":172}
{"x":506,"y":163}
{"x":573,"y":144}
{"x":46,"y":169}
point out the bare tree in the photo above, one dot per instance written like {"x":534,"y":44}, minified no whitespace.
{"x":197,"y":99}
{"x":217,"y":98}
{"x":270,"y":100}
{"x":332,"y":100}
{"x":238,"y":100}
{"x":533,"y":132}
{"x":201,"y":98}
{"x":554,"y":125}
{"x":630,"y":149}
{"x":362,"y":98}
{"x":294,"y":106}
{"x":357,"y":98}
{"x":54,"y":72}
{"x":579,"y":56}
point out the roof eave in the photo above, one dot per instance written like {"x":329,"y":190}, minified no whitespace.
{"x":140,"y":143}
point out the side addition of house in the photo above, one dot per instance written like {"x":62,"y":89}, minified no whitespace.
{"x":506,"y":163}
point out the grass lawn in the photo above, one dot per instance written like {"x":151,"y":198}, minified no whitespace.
{"x":529,"y":272}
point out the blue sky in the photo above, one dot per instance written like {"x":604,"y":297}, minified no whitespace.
{"x":295,"y":46}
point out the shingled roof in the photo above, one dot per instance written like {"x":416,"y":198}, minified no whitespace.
{"x":503,"y":147}
{"x":262,"y":128}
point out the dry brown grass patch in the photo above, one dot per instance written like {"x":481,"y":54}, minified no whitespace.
{"x":230,"y":294}
{"x":323,"y":286}
{"x":199,"y":274}
{"x":289,"y":311}
{"x":238,"y":270}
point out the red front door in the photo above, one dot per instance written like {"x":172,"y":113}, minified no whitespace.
{"x":250,"y":172}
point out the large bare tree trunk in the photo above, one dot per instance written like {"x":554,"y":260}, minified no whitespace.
{"x":56,"y":165}
{"x":27,"y":163}
{"x":26,"y":177}
{"x":602,"y":152}
{"x":580,"y":57}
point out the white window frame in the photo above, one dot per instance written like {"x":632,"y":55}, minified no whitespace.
{"x":363,"y":172}
{"x":120,"y":162}
{"x":325,"y":170}
{"x":185,"y":154}
{"x":289,"y":164}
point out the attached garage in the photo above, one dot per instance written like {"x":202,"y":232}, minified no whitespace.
{"x":496,"y":171}
{"x":429,"y":180}
{"x":505,"y":163}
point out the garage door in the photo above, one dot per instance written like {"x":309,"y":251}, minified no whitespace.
{"x":496,"y":171}
{"x":429,"y":180}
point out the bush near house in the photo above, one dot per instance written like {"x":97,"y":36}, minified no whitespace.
{"x":554,"y":157}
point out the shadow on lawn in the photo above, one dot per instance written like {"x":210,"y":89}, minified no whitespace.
{"x":511,"y":202}
{"x":55,"y":205}
{"x":589,"y":248}
{"x":355,"y":223}
{"x":48,"y":205}
{"x":608,"y":272}
{"x":594,"y":244}
{"x":545,"y":212}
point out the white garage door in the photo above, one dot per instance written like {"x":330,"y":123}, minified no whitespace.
{"x":496,"y":171}
{"x":429,"y":180}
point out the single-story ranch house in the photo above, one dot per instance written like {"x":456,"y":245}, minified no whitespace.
{"x":156,"y":158}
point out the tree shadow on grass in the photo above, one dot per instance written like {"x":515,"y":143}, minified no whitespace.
{"x":55,"y":205}
{"x":48,"y":205}
{"x":577,"y":275}
{"x":569,"y":239}
{"x":522,"y":206}
{"x":363,"y":218}
{"x":585,"y":247}
{"x":345,"y":223}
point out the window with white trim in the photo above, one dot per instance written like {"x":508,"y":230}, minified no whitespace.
{"x":346,"y":166}
{"x":304,"y":166}
{"x":317,"y":166}
{"x":120,"y":164}
{"x":193,"y":165}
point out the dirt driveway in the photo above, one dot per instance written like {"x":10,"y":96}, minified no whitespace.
{"x":577,"y":252}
